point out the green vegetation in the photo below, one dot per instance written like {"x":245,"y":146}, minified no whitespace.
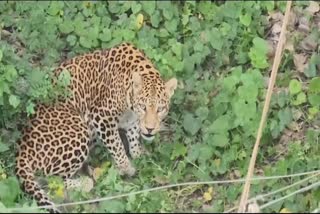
{"x":221,"y":53}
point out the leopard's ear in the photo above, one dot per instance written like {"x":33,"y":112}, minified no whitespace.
{"x":171,"y":85}
{"x":136,"y":81}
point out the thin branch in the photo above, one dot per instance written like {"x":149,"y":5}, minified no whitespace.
{"x":277,"y":59}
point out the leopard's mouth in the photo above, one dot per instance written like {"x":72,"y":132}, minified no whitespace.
{"x":148,"y":137}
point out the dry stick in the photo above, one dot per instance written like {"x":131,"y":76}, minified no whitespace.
{"x":246,"y":189}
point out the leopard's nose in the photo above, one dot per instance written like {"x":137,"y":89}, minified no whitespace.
{"x":149,"y":130}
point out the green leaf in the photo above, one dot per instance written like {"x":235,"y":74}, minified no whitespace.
{"x":195,"y":25}
{"x":4,"y":88}
{"x":64,"y":78}
{"x":55,"y":7}
{"x":9,"y":190}
{"x":294,"y":86}
{"x":314,"y":85}
{"x":312,"y":112}
{"x":198,"y":46}
{"x":245,"y":19}
{"x":314,"y":99}
{"x":220,"y":140}
{"x":114,"y":6}
{"x":244,"y":111}
{"x":10,"y":73}
{"x":225,"y":28}
{"x":177,"y":49}
{"x":149,"y":6}
{"x":191,"y":124}
{"x":248,"y":92}
{"x":220,"y":125}
{"x":135,"y":7}
{"x":268,"y":4}
{"x":72,"y":39}
{"x":301,"y":98}
{"x":3,"y":147}
{"x":105,"y":36}
{"x":275,"y":129}
{"x":14,"y":100}
{"x":128,"y":35}
{"x":230,"y":82}
{"x":258,"y":53}
{"x":231,"y":9}
{"x":205,"y":152}
{"x":171,"y":25}
{"x":202,"y":113}
{"x":179,"y":149}
{"x":1,"y":55}
{"x":66,"y":27}
{"x":36,"y":77}
{"x":285,"y":116}
{"x":194,"y":152}
{"x":114,"y":206}
{"x":167,"y":13}
{"x":155,"y":19}
{"x":207,"y":9}
{"x":215,"y":39}
{"x":311,"y":70}
{"x":30,"y":108}
{"x":282,"y":98}
{"x":85,"y":42}
{"x":185,"y":19}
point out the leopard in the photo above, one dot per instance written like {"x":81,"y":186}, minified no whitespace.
{"x":110,"y":89}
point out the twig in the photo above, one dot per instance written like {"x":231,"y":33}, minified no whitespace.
{"x":246,"y":189}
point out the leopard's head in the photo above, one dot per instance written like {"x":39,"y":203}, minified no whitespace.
{"x":151,"y":100}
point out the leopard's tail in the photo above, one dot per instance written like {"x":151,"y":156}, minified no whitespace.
{"x":30,"y":185}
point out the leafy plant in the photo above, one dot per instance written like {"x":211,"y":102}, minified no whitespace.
{"x":219,"y":53}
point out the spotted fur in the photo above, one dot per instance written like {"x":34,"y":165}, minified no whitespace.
{"x":111,"y":89}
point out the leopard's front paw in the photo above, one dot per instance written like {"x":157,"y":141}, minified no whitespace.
{"x":127,"y":169}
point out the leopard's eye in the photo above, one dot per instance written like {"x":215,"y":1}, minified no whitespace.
{"x":160,"y":109}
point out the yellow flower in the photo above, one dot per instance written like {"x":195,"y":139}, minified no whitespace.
{"x":285,"y":210}
{"x":139,"y":21}
{"x":59,"y":192}
{"x":97,"y":172}
{"x":208,"y":195}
